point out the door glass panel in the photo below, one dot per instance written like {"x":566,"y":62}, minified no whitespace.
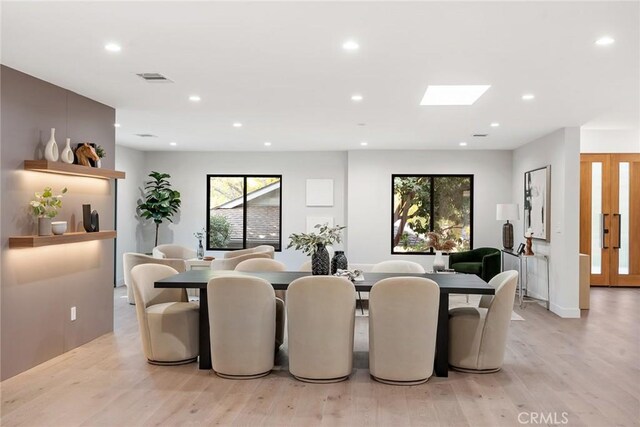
{"x":623,"y":210}
{"x":596,"y":218}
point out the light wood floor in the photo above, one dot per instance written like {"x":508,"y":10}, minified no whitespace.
{"x":587,"y":368}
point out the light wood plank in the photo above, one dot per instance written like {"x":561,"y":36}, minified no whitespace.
{"x":585,"y":367}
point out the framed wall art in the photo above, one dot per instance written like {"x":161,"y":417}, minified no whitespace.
{"x":537,"y":203}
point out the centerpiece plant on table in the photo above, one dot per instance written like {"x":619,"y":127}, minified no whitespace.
{"x":315,"y":244}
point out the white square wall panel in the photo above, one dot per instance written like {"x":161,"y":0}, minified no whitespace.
{"x":319,"y":192}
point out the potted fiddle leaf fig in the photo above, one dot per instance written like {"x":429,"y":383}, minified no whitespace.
{"x":45,"y":207}
{"x":160,"y":202}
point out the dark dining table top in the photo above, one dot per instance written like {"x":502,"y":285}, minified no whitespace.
{"x":448,"y":283}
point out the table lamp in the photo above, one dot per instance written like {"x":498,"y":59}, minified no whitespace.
{"x":506,"y":212}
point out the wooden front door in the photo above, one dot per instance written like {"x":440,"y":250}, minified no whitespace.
{"x":610,"y":217}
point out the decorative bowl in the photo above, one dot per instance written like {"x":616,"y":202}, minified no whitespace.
{"x":58,"y":227}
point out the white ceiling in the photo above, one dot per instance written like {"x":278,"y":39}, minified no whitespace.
{"x":279,"y":68}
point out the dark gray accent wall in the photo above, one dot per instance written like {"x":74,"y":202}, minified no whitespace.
{"x":40,"y":285}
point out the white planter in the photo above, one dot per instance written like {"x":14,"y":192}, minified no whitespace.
{"x":59,"y":227}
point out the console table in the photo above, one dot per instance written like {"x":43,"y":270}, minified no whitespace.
{"x":523,"y":279}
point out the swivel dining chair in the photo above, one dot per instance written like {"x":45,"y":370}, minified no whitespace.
{"x":403,"y":319}
{"x":231,"y":263}
{"x":397,"y":266}
{"x":262,"y":249}
{"x":173,"y":251}
{"x":266,"y":264}
{"x":168,"y":323}
{"x":131,"y":259}
{"x":478,"y":335}
{"x":242,"y":318}
{"x":321,"y":315}
{"x":306,"y":266}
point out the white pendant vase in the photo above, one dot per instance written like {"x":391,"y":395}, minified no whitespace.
{"x":438,"y":262}
{"x":51,"y":149}
{"x":67,"y":154}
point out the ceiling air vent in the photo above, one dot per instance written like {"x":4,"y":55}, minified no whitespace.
{"x":154,"y":78}
{"x":146,"y":135}
{"x":480,"y":135}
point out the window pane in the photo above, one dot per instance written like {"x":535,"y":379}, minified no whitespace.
{"x":226,"y":212}
{"x":411,"y":213}
{"x":263,"y":211}
{"x":596,"y":218}
{"x":623,"y":209}
{"x":452,"y":210}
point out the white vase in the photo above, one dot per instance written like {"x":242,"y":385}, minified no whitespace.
{"x":51,"y":149}
{"x":67,"y":154}
{"x":438,"y":262}
{"x":99,"y":163}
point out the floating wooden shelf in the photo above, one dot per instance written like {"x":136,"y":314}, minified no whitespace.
{"x":70,"y":169}
{"x":37,"y":241}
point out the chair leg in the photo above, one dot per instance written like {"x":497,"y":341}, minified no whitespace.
{"x":361,"y":305}
{"x":467,"y":298}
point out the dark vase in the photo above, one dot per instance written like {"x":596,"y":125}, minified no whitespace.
{"x":320,"y":264}
{"x":339,"y":262}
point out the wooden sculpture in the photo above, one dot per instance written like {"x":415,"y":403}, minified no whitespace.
{"x":84,"y":153}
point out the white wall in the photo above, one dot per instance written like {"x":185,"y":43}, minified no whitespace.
{"x":561,"y":150}
{"x":369,"y":201}
{"x":129,"y":191}
{"x":609,"y":141}
{"x":189,"y":171}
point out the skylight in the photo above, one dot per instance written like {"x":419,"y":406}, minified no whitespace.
{"x":453,"y":94}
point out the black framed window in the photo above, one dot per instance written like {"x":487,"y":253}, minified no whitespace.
{"x":244,"y":211}
{"x":431,"y":203}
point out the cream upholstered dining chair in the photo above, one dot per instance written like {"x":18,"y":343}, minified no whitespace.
{"x":231,"y":263}
{"x":306,"y":266}
{"x":262,"y":249}
{"x":266,"y":264}
{"x":131,"y":259}
{"x":321,"y":316}
{"x":403,"y":319}
{"x":478,"y":335}
{"x":242,"y":316}
{"x":173,"y":251}
{"x":397,"y":266}
{"x":168,"y":322}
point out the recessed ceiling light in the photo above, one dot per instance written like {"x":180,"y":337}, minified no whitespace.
{"x":357,"y":97}
{"x":453,"y":94}
{"x":528,"y":96}
{"x":194,"y":98}
{"x":463,"y":144}
{"x":605,"y":41}
{"x":112,"y":47}
{"x":237,"y":125}
{"x":116,"y":125}
{"x":173,"y":144}
{"x":364,"y":143}
{"x":350,"y":45}
{"x":495,"y":124}
{"x":267,"y":144}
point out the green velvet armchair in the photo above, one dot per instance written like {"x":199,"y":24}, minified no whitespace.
{"x":483,"y":262}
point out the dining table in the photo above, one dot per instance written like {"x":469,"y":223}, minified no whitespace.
{"x":449,"y":283}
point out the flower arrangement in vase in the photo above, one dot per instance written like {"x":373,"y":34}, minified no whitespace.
{"x":101,"y":155}
{"x":200,"y":235}
{"x":44,"y":207}
{"x":315,"y":244}
{"x":439,"y":244}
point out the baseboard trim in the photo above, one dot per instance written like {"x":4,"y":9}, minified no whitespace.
{"x":564,"y":312}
